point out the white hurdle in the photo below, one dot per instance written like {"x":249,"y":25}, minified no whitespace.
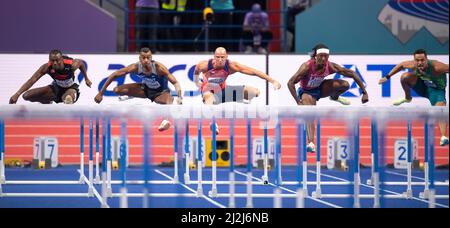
{"x":81,"y":180}
{"x":306,"y":114}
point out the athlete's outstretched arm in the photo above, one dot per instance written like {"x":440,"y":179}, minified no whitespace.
{"x":201,"y":67}
{"x":29,"y":83}
{"x":162,"y":70}
{"x":401,"y":66}
{"x":301,"y":72}
{"x":79,"y":64}
{"x":237,"y":67}
{"x":440,"y":68}
{"x":112,"y":77}
{"x":352,"y":74}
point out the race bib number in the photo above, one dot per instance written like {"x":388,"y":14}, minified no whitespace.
{"x":151,"y":83}
{"x":429,"y":83}
{"x":216,"y":80}
{"x":315,"y":82}
{"x":65,"y":83}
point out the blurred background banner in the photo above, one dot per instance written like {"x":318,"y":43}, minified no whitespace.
{"x":371,"y":68}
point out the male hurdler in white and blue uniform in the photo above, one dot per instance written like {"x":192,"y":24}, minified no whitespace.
{"x":154,"y":85}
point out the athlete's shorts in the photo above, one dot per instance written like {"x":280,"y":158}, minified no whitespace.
{"x":59,"y":91}
{"x":433,"y":95}
{"x":229,"y":94}
{"x":152,"y":94}
{"x":316,"y":93}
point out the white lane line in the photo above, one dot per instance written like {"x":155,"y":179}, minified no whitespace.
{"x":286,"y":189}
{"x":192,"y":190}
{"x":388,"y":191}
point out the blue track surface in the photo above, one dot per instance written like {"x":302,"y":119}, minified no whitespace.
{"x":158,"y":173}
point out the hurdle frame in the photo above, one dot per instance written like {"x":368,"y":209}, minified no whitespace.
{"x":433,"y":114}
{"x":80,"y":181}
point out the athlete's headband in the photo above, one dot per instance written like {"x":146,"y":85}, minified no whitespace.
{"x":323,"y":51}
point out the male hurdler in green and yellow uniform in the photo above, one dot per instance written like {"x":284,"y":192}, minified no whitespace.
{"x":428,"y":79}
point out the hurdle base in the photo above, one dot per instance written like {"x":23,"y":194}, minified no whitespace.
{"x":317,"y":194}
{"x":432,"y":199}
{"x":187,"y":179}
{"x":213,"y":193}
{"x":277,"y":200}
{"x":91,"y":192}
{"x":176,"y":180}
{"x":280,"y":181}
{"x":81,"y":180}
{"x":199,"y":192}
{"x":109,"y":191}
{"x":97,"y":180}
{"x":408,"y":194}
{"x":301,"y":194}
{"x":376,"y":205}
{"x":265,"y":180}
{"x":123,"y":198}
{"x":425,"y":194}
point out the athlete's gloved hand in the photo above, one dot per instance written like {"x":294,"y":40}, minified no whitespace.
{"x":365,"y":98}
{"x":88,"y":83}
{"x":14,"y":99}
{"x":180,"y":100}
{"x":98,"y":98}
{"x":276,"y":85}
